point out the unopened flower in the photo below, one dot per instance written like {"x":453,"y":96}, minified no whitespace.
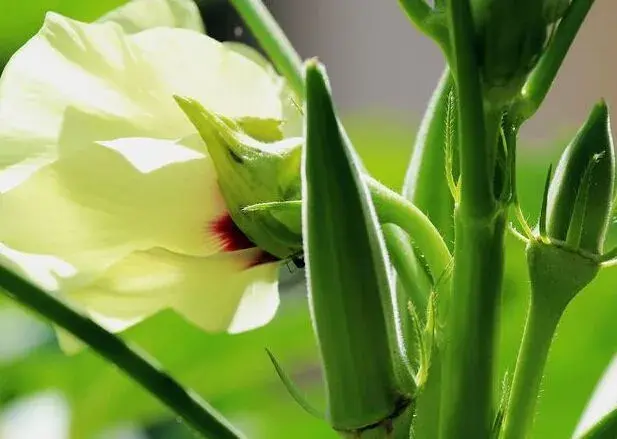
{"x":103,"y":175}
{"x":566,"y":255}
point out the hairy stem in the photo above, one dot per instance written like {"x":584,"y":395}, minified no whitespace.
{"x":273,"y":40}
{"x":467,"y":372}
{"x":539,"y":329}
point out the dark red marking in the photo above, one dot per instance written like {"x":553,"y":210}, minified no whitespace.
{"x":263,"y":258}
{"x":229,"y":234}
{"x":233,"y":239}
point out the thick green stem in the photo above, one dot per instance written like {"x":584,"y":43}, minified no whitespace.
{"x":476,"y":165}
{"x":539,"y":329}
{"x":273,"y":40}
{"x":188,"y":406}
{"x":468,"y":372}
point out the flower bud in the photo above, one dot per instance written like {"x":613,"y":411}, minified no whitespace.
{"x":255,"y":166}
{"x":511,"y":37}
{"x":581,"y":192}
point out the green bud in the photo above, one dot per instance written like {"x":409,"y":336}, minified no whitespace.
{"x":511,"y":37}
{"x":255,"y":166}
{"x":581,"y":192}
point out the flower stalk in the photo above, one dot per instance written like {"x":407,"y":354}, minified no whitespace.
{"x":565,"y":256}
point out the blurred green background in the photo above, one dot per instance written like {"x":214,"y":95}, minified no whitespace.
{"x":47,"y":395}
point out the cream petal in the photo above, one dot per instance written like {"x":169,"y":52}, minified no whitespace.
{"x":105,"y":197}
{"x":99,"y":69}
{"x":193,"y":65}
{"x":139,"y":15}
{"x":89,"y":66}
{"x":216,"y":293}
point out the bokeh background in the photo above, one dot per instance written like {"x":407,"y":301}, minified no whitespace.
{"x":383,"y":73}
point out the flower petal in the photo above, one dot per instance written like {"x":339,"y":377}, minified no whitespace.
{"x":89,"y":66}
{"x":43,"y":270}
{"x":216,"y":293}
{"x":99,"y":69}
{"x":103,"y":199}
{"x":193,"y":65}
{"x":139,"y":15}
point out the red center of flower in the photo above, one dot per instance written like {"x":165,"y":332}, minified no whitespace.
{"x":233,"y":239}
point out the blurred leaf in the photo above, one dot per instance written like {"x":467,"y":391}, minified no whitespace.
{"x":19,"y":20}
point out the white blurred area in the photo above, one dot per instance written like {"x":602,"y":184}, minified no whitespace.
{"x":19,"y":334}
{"x":48,"y":416}
{"x":378,"y":61}
{"x":42,"y":416}
{"x":602,"y":402}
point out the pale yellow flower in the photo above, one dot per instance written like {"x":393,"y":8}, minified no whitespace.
{"x":107,"y":192}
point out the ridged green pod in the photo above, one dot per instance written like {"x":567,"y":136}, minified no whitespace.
{"x":349,"y":289}
{"x":581,"y":192}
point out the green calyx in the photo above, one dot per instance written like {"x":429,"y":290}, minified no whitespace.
{"x":558,"y":273}
{"x":580,"y":195}
{"x":511,"y":37}
{"x":257,"y":169}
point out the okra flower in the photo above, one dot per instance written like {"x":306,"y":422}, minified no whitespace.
{"x":107,"y":191}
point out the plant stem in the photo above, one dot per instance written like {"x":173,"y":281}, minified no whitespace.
{"x":273,"y":40}
{"x":197,"y":413}
{"x":411,"y":274}
{"x":539,"y":329}
{"x":467,"y":372}
{"x":469,"y":351}
{"x":431,"y":23}
{"x":541,"y":78}
{"x":394,"y":209}
{"x":476,"y":163}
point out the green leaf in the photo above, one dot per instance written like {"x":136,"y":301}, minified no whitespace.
{"x":292,"y":388}
{"x":349,"y":290}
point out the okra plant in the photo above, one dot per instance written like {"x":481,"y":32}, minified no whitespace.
{"x":146,"y":166}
